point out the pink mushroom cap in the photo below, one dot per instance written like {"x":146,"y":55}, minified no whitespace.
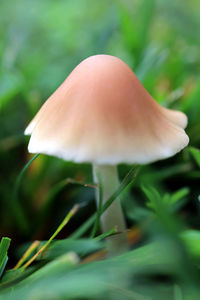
{"x":102,"y":114}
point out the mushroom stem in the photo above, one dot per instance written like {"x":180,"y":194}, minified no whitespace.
{"x":113,"y":216}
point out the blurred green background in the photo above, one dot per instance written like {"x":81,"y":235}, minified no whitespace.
{"x":41,"y":43}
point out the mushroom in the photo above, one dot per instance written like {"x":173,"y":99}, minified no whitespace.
{"x":103,"y":115}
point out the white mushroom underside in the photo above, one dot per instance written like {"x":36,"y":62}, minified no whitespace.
{"x":82,"y":155}
{"x":89,"y":144}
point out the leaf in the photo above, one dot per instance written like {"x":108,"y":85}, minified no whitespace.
{"x":125,"y":184}
{"x":191,"y":239}
{"x":64,"y":278}
{"x":80,"y":246}
{"x":68,"y":217}
{"x":168,"y":200}
{"x":179,"y":195}
{"x":99,"y":208}
{"x":153,"y":197}
{"x":18,"y":212}
{"x":196,"y":154}
{"x":13,"y":276}
{"x":4,"y":245}
{"x":27,"y":254}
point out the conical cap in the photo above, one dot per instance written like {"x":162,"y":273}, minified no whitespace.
{"x":102,"y":114}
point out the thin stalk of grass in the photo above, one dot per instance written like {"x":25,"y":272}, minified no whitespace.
{"x":126,"y":183}
{"x":27,"y":254}
{"x":60,"y":227}
{"x":104,"y":235}
{"x":16,"y":207}
{"x":100,"y":208}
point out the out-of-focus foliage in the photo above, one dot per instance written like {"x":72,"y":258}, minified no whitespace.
{"x":41,"y":42}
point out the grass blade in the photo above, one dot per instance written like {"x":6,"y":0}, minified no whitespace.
{"x":4,"y":245}
{"x":27,"y":254}
{"x":196,"y":154}
{"x":100,"y":208}
{"x":106,"y":234}
{"x":126,"y":183}
{"x":60,"y":227}
{"x":18,"y":212}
